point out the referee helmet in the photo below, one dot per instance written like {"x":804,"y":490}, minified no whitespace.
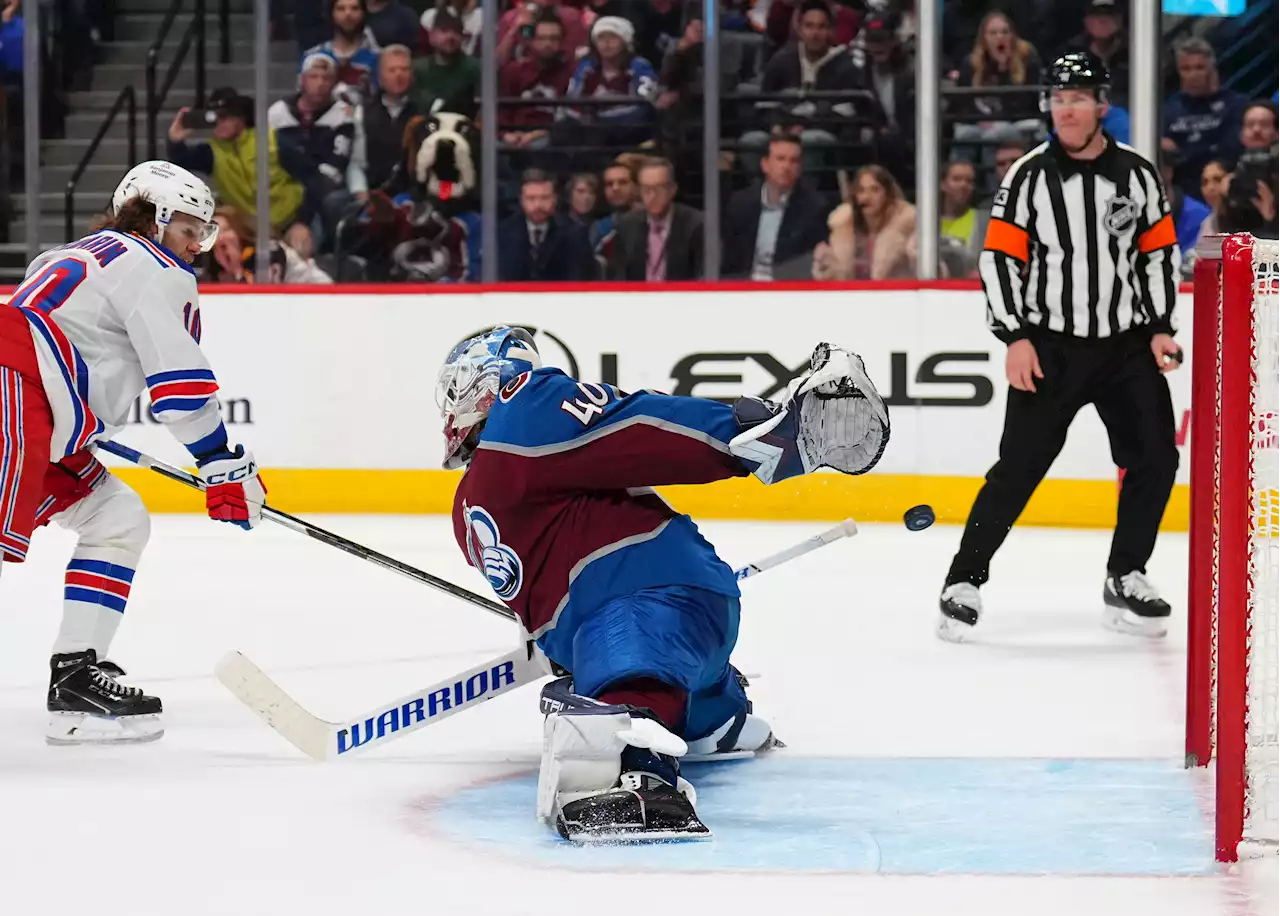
{"x":1077,"y":70}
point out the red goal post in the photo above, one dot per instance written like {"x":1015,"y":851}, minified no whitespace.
{"x":1234,"y":569}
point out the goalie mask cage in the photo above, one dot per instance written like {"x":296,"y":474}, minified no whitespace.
{"x":1234,"y":569}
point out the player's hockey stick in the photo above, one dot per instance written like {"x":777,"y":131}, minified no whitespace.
{"x":321,"y":739}
{"x":319,"y":534}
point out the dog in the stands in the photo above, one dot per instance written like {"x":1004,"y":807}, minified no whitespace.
{"x":423,"y":226}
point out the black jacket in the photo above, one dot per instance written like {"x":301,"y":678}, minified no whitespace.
{"x":783,"y":74}
{"x":383,"y":139}
{"x":804,"y":225}
{"x":628,"y":260}
{"x":563,"y":257}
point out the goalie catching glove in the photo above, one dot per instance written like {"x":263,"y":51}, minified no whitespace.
{"x":233,"y":492}
{"x":832,"y":416}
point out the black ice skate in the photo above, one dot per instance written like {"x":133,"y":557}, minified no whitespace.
{"x":642,"y":808}
{"x":1134,"y":606}
{"x":88,"y":706}
{"x":961,"y":606}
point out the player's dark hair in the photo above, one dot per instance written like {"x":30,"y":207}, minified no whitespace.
{"x":536,"y":176}
{"x":789,"y":139}
{"x":820,"y":5}
{"x":549,"y":17}
{"x":137,"y":216}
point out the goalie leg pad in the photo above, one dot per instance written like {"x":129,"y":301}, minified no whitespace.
{"x":611,"y":774}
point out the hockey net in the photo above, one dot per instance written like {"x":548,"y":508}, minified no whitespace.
{"x":1234,"y":578}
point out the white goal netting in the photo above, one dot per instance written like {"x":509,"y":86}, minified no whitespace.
{"x":1262,"y":711}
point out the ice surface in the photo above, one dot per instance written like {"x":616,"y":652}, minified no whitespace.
{"x":1040,"y":760}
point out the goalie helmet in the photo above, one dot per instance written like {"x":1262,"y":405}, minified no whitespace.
{"x":473,"y":374}
{"x":173,"y":190}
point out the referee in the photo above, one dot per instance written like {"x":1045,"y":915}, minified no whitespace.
{"x":1079,"y":270}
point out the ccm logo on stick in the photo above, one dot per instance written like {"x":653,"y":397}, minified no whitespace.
{"x":480,"y":686}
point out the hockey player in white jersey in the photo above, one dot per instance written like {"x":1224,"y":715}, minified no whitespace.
{"x":94,"y":324}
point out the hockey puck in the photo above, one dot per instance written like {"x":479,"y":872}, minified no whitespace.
{"x":918,"y":518}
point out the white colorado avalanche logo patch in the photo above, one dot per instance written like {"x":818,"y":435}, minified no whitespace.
{"x":500,"y":564}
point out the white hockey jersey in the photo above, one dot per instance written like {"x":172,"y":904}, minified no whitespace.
{"x":113,"y":315}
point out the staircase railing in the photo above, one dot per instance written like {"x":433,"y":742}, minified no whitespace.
{"x":193,"y":35}
{"x":126,"y":99}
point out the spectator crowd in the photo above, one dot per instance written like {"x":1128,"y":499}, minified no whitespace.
{"x":374,"y":161}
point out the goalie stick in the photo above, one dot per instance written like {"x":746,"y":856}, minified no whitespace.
{"x":321,"y":739}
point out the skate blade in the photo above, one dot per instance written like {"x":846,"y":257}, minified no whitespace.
{"x":951,"y":630}
{"x":1123,"y":620}
{"x":634,"y":838}
{"x":67,"y":729}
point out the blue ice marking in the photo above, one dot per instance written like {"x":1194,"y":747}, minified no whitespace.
{"x":891,"y":816}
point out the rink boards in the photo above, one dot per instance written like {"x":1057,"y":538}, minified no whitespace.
{"x":334,"y":389}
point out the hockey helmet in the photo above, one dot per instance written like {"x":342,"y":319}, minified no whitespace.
{"x":473,"y":374}
{"x":173,"y":190}
{"x":1077,"y":70}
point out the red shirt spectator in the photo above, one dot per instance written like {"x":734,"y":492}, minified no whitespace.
{"x":515,"y":29}
{"x":545,"y":73}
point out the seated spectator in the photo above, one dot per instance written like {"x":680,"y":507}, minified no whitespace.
{"x":890,"y":75}
{"x":1115,"y":121}
{"x":321,"y":132}
{"x":391,"y":23}
{"x":352,"y":46}
{"x":612,"y":70}
{"x":230,"y":160}
{"x":963,"y":226}
{"x":814,"y":63}
{"x":680,"y":80}
{"x":536,"y":245}
{"x":658,"y":23}
{"x":621,"y":196}
{"x":771,"y":228}
{"x":234,"y":258}
{"x":999,"y":58}
{"x":1214,"y":181}
{"x":447,"y":75}
{"x":584,"y":198}
{"x":679,"y":102}
{"x":544,"y":74}
{"x":663,"y":240}
{"x":782,"y":23}
{"x":515,"y":29}
{"x":1201,"y":120}
{"x":1250,"y":203}
{"x":380,"y":125}
{"x":873,"y":237}
{"x":1007,"y":153}
{"x":1188,"y":213}
{"x":469,"y":11}
{"x":1104,"y":34}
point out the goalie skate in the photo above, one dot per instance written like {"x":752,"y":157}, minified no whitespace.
{"x":641,"y":809}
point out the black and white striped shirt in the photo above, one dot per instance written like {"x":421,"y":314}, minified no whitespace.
{"x":1085,"y":248}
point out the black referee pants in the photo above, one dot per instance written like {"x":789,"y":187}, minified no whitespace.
{"x":1120,"y":378}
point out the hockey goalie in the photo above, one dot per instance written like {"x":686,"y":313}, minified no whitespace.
{"x":620,"y":590}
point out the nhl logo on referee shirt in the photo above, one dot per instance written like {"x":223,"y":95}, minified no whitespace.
{"x":1122,"y":213}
